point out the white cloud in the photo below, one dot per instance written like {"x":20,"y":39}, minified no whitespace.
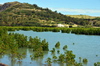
{"x":76,"y":10}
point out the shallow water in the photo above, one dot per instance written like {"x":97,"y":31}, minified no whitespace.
{"x":85,"y":46}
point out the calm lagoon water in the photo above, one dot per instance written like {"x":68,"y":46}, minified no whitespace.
{"x":85,"y":46}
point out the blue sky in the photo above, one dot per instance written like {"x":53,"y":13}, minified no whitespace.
{"x":67,"y":7}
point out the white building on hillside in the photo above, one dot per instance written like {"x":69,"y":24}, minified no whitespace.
{"x":60,"y":25}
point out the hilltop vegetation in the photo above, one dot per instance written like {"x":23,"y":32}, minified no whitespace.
{"x":24,"y":14}
{"x":95,"y":21}
{"x":82,"y":16}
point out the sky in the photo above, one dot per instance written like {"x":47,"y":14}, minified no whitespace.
{"x":66,"y":7}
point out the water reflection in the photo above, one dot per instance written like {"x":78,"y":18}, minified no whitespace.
{"x":19,"y":63}
{"x":1,"y":56}
{"x":13,"y":62}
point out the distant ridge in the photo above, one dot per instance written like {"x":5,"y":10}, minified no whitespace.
{"x":82,"y":16}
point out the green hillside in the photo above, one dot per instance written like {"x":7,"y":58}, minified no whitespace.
{"x":24,"y":14}
{"x":82,"y":16}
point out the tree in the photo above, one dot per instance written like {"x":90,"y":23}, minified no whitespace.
{"x":49,"y":61}
{"x":57,"y":44}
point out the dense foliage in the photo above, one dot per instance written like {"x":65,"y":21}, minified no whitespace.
{"x":24,"y":14}
{"x":86,"y":31}
{"x":13,"y":41}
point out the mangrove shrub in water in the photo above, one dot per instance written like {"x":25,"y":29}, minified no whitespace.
{"x":57,"y":44}
{"x":13,"y":41}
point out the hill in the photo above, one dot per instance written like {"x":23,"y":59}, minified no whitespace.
{"x":24,"y":14}
{"x":82,"y":16}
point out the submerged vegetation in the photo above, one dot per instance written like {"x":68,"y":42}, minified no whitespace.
{"x":11,"y":42}
{"x":67,"y":58}
{"x":97,"y":64}
{"x":57,"y":45}
{"x":65,"y":47}
{"x":85,"y":60}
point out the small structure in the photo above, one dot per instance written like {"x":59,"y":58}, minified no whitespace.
{"x":60,"y":25}
{"x":75,"y":25}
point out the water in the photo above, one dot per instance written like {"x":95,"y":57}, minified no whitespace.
{"x":85,"y":46}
